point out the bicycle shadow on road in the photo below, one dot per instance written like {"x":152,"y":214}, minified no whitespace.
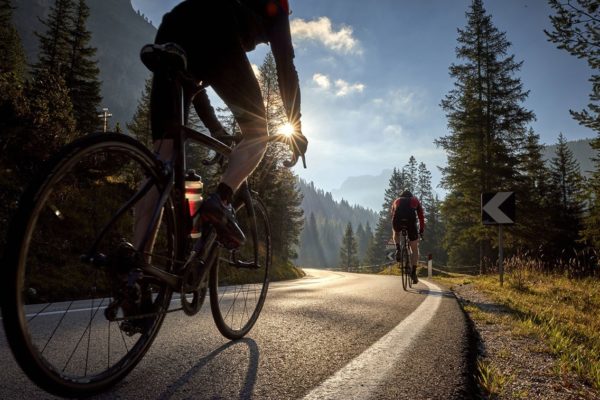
{"x":428,"y":292}
{"x":249,"y":381}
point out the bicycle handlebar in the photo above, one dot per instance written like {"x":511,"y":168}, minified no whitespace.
{"x":279,"y":138}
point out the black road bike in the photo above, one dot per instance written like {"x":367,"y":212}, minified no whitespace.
{"x":63,"y":307}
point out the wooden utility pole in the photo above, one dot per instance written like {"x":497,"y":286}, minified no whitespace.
{"x":105,"y":116}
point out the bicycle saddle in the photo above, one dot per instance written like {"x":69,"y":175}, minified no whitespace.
{"x":164,"y":57}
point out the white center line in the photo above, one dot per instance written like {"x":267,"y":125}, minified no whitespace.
{"x":361,"y":376}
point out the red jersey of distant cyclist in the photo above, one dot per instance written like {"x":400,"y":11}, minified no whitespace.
{"x":414,"y":208}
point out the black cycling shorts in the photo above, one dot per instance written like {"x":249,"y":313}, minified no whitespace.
{"x":410,"y":226}
{"x":207,"y":31}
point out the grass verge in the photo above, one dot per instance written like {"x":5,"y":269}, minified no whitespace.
{"x":563,"y":313}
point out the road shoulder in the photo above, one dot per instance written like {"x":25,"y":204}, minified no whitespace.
{"x":511,"y":364}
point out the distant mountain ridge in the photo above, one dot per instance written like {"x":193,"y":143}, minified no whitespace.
{"x":367,"y":190}
{"x":118,"y":33}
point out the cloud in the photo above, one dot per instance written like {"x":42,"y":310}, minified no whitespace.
{"x":344,"y":88}
{"x":403,"y":102}
{"x":322,"y":81}
{"x":394,"y":131}
{"x":321,"y":30}
{"x":340,"y":87}
{"x":380,"y":129}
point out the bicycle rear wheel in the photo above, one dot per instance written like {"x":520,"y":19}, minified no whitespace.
{"x":405,"y":267}
{"x":54,"y":300}
{"x":238,"y":289}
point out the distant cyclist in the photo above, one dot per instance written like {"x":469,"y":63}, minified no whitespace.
{"x":405,"y":211}
{"x":215,"y":36}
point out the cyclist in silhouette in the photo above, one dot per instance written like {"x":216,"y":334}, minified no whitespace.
{"x":215,"y":36}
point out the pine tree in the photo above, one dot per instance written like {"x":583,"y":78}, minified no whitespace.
{"x":311,"y":252}
{"x":369,"y":243}
{"x":362,"y":240}
{"x":487,"y":127}
{"x":12,"y":75}
{"x":81,"y":75}
{"x":532,"y":194}
{"x":349,"y":249}
{"x":434,"y":229}
{"x":269,"y":84}
{"x":434,"y":234}
{"x":423,"y":189}
{"x":410,"y":171}
{"x":576,"y":25}
{"x":591,"y":220}
{"x":566,"y":194}
{"x":15,"y":117}
{"x":12,"y":56}
{"x":276,"y":184}
{"x":140,"y":126}
{"x":55,"y":46}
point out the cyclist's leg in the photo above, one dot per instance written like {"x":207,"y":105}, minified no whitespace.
{"x":413,"y":238}
{"x":396,"y":237}
{"x":414,"y":245}
{"x":236,"y":84}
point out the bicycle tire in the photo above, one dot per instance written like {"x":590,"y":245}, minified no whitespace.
{"x":402,"y":275}
{"x":230,"y":285}
{"x":406,"y":277}
{"x":408,"y":268}
{"x":53,"y":302}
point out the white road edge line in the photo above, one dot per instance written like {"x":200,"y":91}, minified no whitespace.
{"x":365,"y":373}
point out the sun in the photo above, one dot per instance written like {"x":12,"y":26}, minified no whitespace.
{"x":286,"y":129}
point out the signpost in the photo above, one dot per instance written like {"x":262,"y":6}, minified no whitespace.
{"x":498,"y":208}
{"x":391,"y":256}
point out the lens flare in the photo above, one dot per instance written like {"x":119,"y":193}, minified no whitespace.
{"x":286,"y":129}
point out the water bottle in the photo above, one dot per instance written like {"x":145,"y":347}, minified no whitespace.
{"x":193,"y":194}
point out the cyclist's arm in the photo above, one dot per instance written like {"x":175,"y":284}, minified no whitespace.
{"x":287,"y":76}
{"x":421,"y":216}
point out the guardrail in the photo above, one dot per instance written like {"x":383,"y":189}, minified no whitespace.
{"x":376,"y":269}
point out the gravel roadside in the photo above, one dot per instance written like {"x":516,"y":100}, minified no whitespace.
{"x":523,"y":366}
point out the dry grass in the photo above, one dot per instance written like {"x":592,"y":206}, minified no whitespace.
{"x":562,"y":312}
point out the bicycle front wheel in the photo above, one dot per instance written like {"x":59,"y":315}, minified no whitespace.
{"x":55,"y":299}
{"x":240,"y":279}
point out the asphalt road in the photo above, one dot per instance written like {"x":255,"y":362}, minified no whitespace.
{"x":330,"y":335}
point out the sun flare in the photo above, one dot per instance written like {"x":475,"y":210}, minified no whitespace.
{"x":286,"y":129}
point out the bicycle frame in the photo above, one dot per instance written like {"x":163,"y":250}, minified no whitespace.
{"x":173,"y":185}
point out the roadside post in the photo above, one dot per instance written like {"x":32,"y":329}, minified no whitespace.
{"x":498,"y":208}
{"x":429,"y":265}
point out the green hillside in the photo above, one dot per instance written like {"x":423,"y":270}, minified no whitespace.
{"x":118,"y":32}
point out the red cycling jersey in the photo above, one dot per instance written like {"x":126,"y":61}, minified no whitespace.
{"x":414,"y":207}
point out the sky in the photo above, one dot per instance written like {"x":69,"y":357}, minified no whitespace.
{"x":373,"y":73}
